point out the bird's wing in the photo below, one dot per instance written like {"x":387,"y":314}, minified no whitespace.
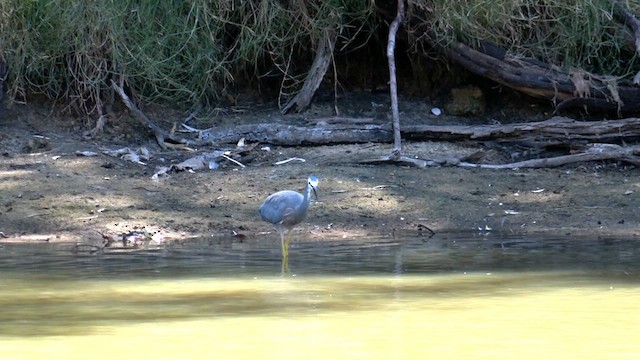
{"x":277,"y":206}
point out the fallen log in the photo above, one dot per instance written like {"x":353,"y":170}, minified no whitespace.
{"x":292,"y":135}
{"x":557,"y":128}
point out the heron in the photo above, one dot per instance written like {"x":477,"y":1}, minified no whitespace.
{"x":286,"y":209}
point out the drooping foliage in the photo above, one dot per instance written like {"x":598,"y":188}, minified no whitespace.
{"x":177,"y":51}
{"x":582,"y":34}
{"x":192,"y":51}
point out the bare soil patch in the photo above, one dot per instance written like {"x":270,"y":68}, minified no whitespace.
{"x":48,"y":193}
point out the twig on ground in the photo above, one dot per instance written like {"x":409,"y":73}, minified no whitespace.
{"x":234,"y":161}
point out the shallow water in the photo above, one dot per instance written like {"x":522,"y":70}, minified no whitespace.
{"x":448,"y":297}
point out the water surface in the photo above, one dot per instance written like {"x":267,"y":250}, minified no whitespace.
{"x":448,"y":297}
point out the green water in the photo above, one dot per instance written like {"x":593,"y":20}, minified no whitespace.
{"x":449,"y":297}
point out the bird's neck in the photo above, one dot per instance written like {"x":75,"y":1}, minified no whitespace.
{"x":307,"y":195}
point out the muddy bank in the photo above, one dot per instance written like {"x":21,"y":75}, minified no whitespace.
{"x":48,"y":193}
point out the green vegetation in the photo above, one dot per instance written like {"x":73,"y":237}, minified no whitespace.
{"x":177,"y":51}
{"x":572,"y":33}
{"x":192,"y":51}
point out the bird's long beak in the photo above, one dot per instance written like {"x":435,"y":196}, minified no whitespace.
{"x":315,"y":194}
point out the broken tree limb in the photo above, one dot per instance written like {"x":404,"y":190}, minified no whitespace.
{"x":393,"y":81}
{"x":596,"y":152}
{"x":634,"y":26}
{"x":396,"y":155}
{"x":339,"y":120}
{"x":160,"y":134}
{"x":321,"y":63}
{"x":567,"y":89}
{"x":401,"y":160}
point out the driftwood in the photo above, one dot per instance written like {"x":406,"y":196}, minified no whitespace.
{"x":354,"y":131}
{"x":634,"y":26}
{"x":565,"y":88}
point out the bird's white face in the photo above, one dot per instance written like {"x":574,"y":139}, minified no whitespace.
{"x":313,"y":181}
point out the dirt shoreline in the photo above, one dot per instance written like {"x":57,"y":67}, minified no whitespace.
{"x":48,"y":193}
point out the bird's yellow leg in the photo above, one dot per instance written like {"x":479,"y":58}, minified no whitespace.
{"x":285,"y":266}
{"x":285,"y":245}
{"x":284,"y":251}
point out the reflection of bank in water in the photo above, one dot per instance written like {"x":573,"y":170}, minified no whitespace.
{"x":375,"y":298}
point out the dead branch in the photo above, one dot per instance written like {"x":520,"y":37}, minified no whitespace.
{"x":630,"y":21}
{"x":634,"y":26}
{"x":160,"y":134}
{"x":401,"y":161}
{"x":393,"y":82}
{"x":396,"y":156}
{"x":321,"y":63}
{"x":567,"y":89}
{"x":595,"y":152}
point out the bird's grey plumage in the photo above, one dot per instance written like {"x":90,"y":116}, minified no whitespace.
{"x":286,"y":209}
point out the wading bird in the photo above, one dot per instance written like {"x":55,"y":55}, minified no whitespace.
{"x":286,"y":209}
